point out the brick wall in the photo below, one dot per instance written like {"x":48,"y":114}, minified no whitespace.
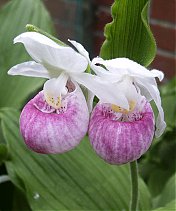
{"x":163,"y":22}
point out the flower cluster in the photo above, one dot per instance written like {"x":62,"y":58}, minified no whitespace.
{"x":120,"y":127}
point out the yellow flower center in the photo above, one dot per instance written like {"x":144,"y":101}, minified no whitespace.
{"x":55,"y":102}
{"x":119,"y":109}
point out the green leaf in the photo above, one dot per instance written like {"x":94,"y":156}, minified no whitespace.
{"x":168,"y":93}
{"x":168,"y":194}
{"x":129,"y":35}
{"x":3,"y":153}
{"x":171,"y":206}
{"x":77,"y":180}
{"x":3,"y":148}
{"x":156,"y":185}
{"x":19,"y":201}
{"x":13,"y":18}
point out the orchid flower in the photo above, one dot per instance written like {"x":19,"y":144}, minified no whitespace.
{"x":57,"y":119}
{"x":121,"y":134}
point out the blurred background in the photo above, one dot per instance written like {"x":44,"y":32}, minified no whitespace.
{"x":84,"y":21}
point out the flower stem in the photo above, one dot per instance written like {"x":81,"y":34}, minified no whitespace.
{"x":32,"y":28}
{"x":134,"y":186}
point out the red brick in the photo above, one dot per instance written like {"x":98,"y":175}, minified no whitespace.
{"x":163,"y":10}
{"x":165,"y":64}
{"x":165,"y":37}
{"x":102,"y":17}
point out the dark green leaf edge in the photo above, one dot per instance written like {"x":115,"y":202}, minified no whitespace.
{"x":150,"y":34}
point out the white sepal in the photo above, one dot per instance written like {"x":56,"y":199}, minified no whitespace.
{"x":105,"y":91}
{"x":125,"y":66}
{"x":80,"y":49}
{"x":90,"y":99}
{"x":53,"y":56}
{"x":31,"y":69}
{"x":151,"y":87}
{"x":54,"y":89}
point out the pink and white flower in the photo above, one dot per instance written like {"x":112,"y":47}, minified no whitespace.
{"x":122,"y":133}
{"x":121,"y":126}
{"x":57,"y":119}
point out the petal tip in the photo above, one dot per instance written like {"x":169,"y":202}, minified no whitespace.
{"x":160,"y":129}
{"x":159,"y":74}
{"x":11,"y":71}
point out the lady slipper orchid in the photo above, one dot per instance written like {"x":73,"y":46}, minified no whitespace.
{"x":55,"y":130}
{"x":121,"y":134}
{"x":57,"y":119}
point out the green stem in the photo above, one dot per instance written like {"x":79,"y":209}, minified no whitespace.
{"x":134,"y":185}
{"x":32,"y":28}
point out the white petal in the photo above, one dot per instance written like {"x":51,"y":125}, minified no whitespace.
{"x":151,"y":87}
{"x":158,"y":74}
{"x":102,"y":72}
{"x":105,"y":91}
{"x":127,"y":87}
{"x":53,"y":56}
{"x":125,"y":66}
{"x":54,"y":89}
{"x":56,"y":85}
{"x":80,"y":49}
{"x":31,"y":69}
{"x":144,"y":92}
{"x":119,"y":65}
{"x":90,"y":98}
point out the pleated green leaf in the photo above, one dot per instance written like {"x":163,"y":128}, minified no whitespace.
{"x":13,"y":18}
{"x":129,"y":35}
{"x":77,"y":180}
{"x":169,"y":192}
{"x":171,"y":206}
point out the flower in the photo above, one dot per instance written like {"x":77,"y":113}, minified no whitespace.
{"x":49,"y":130}
{"x":122,"y":133}
{"x":56,"y":119}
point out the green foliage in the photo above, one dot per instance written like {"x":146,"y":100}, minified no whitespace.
{"x":168,"y":193}
{"x":159,"y":162}
{"x":3,"y":153}
{"x":19,"y":201}
{"x":168,"y":93}
{"x":171,"y":206}
{"x":166,"y":199}
{"x":3,"y":148}
{"x":75,"y":180}
{"x":129,"y":35}
{"x":13,"y":18}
